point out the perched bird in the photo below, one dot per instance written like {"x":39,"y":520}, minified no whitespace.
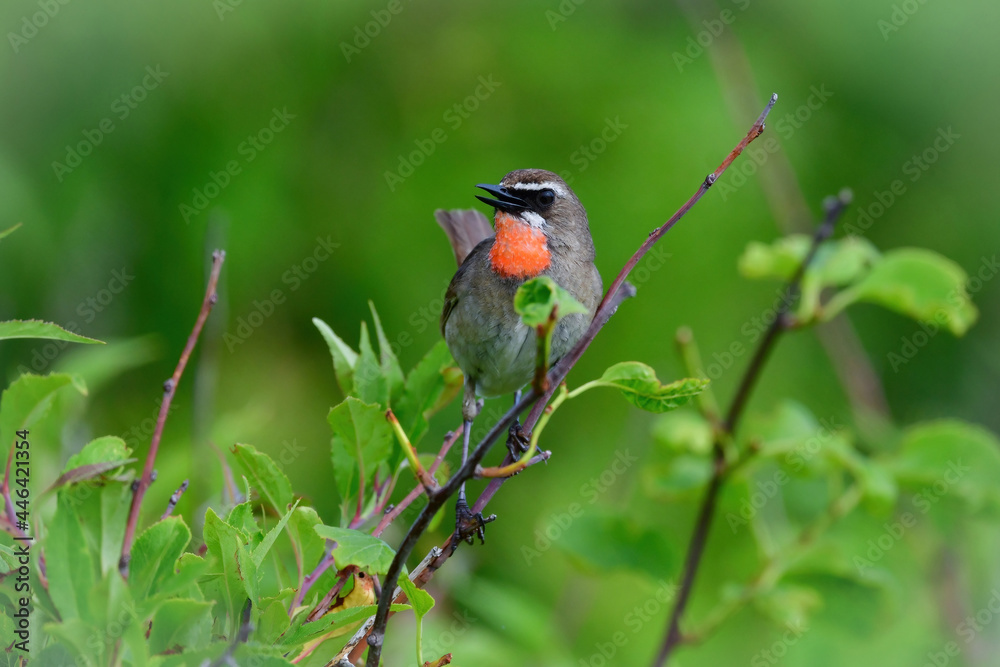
{"x":540,"y":229}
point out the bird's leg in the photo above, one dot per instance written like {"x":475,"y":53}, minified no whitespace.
{"x":467,"y":523}
{"x":517,"y":439}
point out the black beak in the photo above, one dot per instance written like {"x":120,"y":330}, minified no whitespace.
{"x":504,"y":201}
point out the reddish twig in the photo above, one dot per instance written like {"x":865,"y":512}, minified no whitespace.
{"x":174,"y":499}
{"x":169,"y":388}
{"x":615,"y":294}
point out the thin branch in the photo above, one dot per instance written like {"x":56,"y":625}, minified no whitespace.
{"x":324,"y":564}
{"x":169,"y":388}
{"x":696,"y":547}
{"x":618,"y":290}
{"x":174,"y":499}
{"x":324,"y":603}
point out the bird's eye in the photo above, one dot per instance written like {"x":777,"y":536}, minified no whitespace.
{"x":546,"y":198}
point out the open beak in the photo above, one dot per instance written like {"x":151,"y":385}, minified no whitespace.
{"x":504,"y":201}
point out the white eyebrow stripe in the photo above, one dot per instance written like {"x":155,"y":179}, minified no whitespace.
{"x":547,"y":185}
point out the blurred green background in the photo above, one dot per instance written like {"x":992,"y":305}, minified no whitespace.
{"x":309,"y":115}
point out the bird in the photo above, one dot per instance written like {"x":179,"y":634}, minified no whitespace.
{"x":539,"y":228}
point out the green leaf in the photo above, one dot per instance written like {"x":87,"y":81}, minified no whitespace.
{"x":357,"y":548}
{"x":391,"y":370}
{"x":26,"y":401}
{"x":425,"y":387}
{"x":535,"y":300}
{"x":307,"y":544}
{"x":601,"y":542}
{"x":40,"y":329}
{"x":260,"y":551}
{"x":101,"y":450}
{"x":641,"y":388}
{"x":915,"y":282}
{"x":683,"y":431}
{"x":103,"y":510}
{"x":183,"y":623}
{"x":265,"y":476}
{"x":950,"y":458}
{"x":362,"y":439}
{"x":230,"y":548}
{"x":68,"y":561}
{"x":837,"y":262}
{"x":10,"y":230}
{"x":370,"y":385}
{"x":344,"y":358}
{"x":789,"y":605}
{"x":793,"y":436}
{"x":420,"y":599}
{"x":666,"y":481}
{"x":305,"y":632}
{"x":155,"y":554}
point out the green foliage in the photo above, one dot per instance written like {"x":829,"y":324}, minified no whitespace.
{"x":359,"y":549}
{"x":914,"y":282}
{"x":606,"y":542}
{"x":539,"y":299}
{"x":640,"y":387}
{"x":39,"y":329}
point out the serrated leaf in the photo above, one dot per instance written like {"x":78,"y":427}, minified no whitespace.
{"x":362,"y":439}
{"x":229,"y":547}
{"x":357,"y":548}
{"x":601,"y":542}
{"x":344,"y":358}
{"x":69,"y":565}
{"x":391,"y":370}
{"x":40,"y":329}
{"x":265,"y":476}
{"x":424,"y":389}
{"x":260,"y":551}
{"x":155,"y":554}
{"x":641,"y":388}
{"x":535,"y":300}
{"x":97,"y":458}
{"x":26,"y":400}
{"x":420,"y":600}
{"x":950,"y":457}
{"x":915,"y":282}
{"x":179,"y":622}
{"x":370,"y":385}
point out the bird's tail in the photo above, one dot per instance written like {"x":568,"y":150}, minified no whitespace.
{"x":465,"y":228}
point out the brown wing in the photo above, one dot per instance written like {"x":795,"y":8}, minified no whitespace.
{"x":465,"y":228}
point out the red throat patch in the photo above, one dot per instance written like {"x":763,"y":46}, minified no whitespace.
{"x":519,"y":250}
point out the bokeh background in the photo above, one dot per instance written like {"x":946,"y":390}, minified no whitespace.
{"x":327,"y":134}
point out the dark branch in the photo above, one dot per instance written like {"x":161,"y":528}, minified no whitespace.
{"x":834,"y":208}
{"x":616,"y":293}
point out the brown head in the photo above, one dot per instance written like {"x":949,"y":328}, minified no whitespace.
{"x":537,"y":214}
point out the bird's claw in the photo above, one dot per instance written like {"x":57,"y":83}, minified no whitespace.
{"x":468,"y":525}
{"x":518,"y":441}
